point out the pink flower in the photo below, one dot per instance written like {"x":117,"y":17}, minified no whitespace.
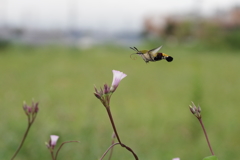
{"x":53,"y":140}
{"x":176,"y":159}
{"x":117,"y":77}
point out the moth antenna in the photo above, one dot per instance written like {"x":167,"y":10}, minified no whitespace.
{"x":136,"y":48}
{"x":133,"y":48}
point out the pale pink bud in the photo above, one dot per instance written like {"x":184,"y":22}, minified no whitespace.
{"x":27,"y":109}
{"x":36,"y":108}
{"x":106,"y":89}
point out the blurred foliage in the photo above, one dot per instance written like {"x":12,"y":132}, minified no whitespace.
{"x":4,"y":43}
{"x":214,"y":36}
{"x":232,"y":38}
{"x":150,"y":107}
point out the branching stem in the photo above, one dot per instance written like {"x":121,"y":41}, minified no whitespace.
{"x":115,"y":131}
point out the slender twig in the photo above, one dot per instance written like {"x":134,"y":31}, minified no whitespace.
{"x":111,"y":151}
{"x":52,"y":155}
{"x":108,"y":150}
{"x":24,"y":137}
{"x":115,"y":131}
{"x":205,"y":133}
{"x":113,"y":125}
{"x":61,"y":147}
{"x":129,"y":149}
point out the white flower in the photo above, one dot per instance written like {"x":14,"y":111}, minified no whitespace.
{"x":176,"y":159}
{"x":54,"y":140}
{"x":117,"y":77}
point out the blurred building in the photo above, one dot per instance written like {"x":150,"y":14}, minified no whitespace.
{"x":228,"y":20}
{"x":185,"y":25}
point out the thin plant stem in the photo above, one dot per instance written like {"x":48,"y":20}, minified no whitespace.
{"x":108,"y":150}
{"x":115,"y":131}
{"x":205,"y":133}
{"x":111,"y":151}
{"x":113,"y":125}
{"x":61,"y":147}
{"x":129,"y":149}
{"x":24,"y":137}
{"x":52,"y":155}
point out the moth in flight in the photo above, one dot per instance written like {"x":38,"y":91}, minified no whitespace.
{"x":152,"y":55}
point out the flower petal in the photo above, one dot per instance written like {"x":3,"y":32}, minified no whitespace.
{"x":54,"y":139}
{"x":117,"y":77}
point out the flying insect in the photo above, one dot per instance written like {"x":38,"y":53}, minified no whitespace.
{"x":152,"y":55}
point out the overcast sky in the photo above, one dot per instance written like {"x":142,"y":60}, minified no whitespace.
{"x":97,"y":14}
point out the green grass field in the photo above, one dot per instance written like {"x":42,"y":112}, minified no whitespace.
{"x":150,"y":107}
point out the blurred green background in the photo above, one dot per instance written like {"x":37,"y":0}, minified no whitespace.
{"x":150,"y":107}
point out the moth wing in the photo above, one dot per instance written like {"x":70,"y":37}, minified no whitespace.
{"x":153,"y":52}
